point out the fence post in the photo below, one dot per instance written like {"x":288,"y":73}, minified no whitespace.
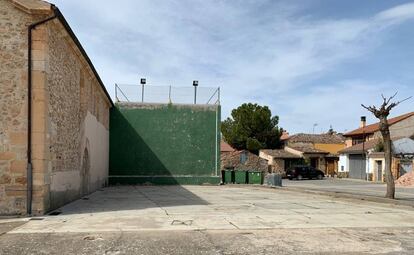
{"x":218,"y":94}
{"x":169,"y":94}
{"x":116,"y":93}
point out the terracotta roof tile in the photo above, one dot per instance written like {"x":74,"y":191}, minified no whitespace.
{"x":307,"y":149}
{"x":284,"y":136}
{"x":358,"y":148}
{"x":225,"y":147}
{"x":316,"y":138}
{"x":232,"y":160}
{"x":375,"y":127}
{"x":280,"y":153}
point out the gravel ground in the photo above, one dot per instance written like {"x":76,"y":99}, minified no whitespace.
{"x":283,"y":241}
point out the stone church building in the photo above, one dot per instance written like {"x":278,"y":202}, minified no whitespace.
{"x":54,"y":112}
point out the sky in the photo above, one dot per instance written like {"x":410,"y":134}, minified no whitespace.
{"x":311,"y":62}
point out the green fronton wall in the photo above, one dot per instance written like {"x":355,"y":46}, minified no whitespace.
{"x":164,"y":144}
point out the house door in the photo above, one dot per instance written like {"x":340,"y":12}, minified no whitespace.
{"x":378,"y":164}
{"x":330,"y":167}
{"x":357,"y":166}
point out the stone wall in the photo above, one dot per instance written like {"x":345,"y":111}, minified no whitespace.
{"x":77,"y":123}
{"x":70,"y":137}
{"x":278,"y":166}
{"x":13,"y":107}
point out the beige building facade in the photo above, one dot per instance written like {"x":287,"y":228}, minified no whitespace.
{"x":54,"y":121}
{"x":362,"y":159}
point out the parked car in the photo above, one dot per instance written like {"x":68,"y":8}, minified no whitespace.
{"x":301,"y":172}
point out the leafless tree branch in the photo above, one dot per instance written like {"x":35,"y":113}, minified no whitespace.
{"x":389,"y":99}
{"x":392,"y":105}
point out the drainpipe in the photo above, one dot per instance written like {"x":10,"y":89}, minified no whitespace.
{"x":29,"y":112}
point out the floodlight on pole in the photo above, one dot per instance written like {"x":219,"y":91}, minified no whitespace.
{"x":314,"y":125}
{"x":195,"y":84}
{"x":143,"y":82}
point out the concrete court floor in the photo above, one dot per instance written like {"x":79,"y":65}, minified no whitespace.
{"x":215,"y":220}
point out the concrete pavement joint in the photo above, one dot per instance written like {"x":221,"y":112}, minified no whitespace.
{"x":234,"y":225}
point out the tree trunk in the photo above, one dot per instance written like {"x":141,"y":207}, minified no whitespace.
{"x":385,"y":132}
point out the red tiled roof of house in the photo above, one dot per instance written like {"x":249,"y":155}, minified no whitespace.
{"x":368,"y":145}
{"x":281,"y":153}
{"x":225,"y":147}
{"x":326,"y":138}
{"x":284,"y":136}
{"x":375,"y":127}
{"x":360,"y":148}
{"x":232,"y":160}
{"x":307,"y":149}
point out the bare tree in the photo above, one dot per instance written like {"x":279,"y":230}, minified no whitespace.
{"x":382,"y":113}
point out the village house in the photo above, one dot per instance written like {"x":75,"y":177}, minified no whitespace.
{"x":54,"y":119}
{"x":225,"y":148}
{"x":280,"y":160}
{"x":317,"y":150}
{"x":363,"y":157}
{"x":240,"y":159}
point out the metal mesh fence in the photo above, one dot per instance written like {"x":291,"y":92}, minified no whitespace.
{"x":166,"y":94}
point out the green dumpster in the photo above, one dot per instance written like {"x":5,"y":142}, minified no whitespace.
{"x":240,"y":177}
{"x":255,"y":177}
{"x":228,"y":176}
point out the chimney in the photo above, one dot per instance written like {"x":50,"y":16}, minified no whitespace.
{"x":363,"y":122}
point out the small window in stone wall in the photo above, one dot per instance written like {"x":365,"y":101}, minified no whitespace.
{"x":243,"y":157}
{"x":342,"y":168}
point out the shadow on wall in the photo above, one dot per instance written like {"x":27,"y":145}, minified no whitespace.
{"x":126,"y":198}
{"x":163,"y":145}
{"x":129,"y":154}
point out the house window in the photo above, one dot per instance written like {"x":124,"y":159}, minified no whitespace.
{"x":243,"y":157}
{"x":357,"y":141}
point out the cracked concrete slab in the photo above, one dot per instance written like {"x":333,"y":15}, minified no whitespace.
{"x":152,"y":208}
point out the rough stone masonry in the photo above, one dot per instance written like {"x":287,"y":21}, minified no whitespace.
{"x":70,"y":112}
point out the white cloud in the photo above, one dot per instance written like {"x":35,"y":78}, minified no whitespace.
{"x":257,"y":51}
{"x":398,"y":13}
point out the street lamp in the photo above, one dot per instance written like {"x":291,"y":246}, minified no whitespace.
{"x":143,"y":82}
{"x":314,"y":126}
{"x":195,"y":84}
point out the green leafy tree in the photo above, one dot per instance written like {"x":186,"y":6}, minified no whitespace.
{"x":252,"y":127}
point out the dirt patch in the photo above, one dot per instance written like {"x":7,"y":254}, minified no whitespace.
{"x":406,"y":180}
